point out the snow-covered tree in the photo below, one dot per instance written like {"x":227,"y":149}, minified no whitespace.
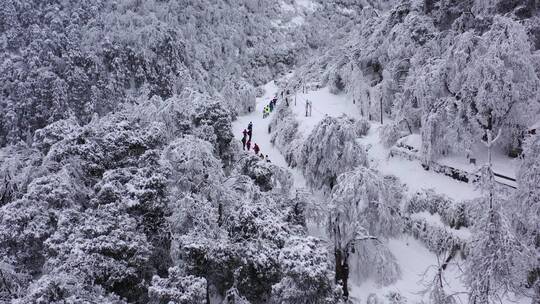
{"x":305,"y":263}
{"x":332,"y":149}
{"x":525,"y":219}
{"x":265,"y":175}
{"x":192,"y":164}
{"x":239,"y":97}
{"x":496,"y":263}
{"x":364,"y":208}
{"x":493,"y":80}
{"x":66,"y":288}
{"x":177,"y":288}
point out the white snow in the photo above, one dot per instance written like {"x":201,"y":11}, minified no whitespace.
{"x":502,"y":164}
{"x":409,"y":172}
{"x":416,"y":262}
{"x":324,"y":103}
{"x":418,"y":267}
{"x":413,"y":140}
{"x":260,"y":132}
{"x":435,"y":220}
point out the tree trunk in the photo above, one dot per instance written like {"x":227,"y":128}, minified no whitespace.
{"x":342,"y":271}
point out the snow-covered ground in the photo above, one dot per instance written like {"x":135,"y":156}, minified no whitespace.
{"x":410,"y":173}
{"x":415,"y":260}
{"x":260,"y":134}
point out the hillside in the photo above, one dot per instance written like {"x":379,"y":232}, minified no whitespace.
{"x":397,"y":161}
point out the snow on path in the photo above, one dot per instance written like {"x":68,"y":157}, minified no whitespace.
{"x":409,"y":172}
{"x":260,"y":134}
{"x":413,"y":257}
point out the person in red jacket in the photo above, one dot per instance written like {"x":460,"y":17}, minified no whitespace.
{"x":256,"y":149}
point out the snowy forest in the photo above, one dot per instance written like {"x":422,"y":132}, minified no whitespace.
{"x":270,"y":151}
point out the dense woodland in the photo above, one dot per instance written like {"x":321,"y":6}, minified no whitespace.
{"x":121,"y":180}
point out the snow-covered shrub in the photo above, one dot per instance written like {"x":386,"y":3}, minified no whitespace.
{"x":265,"y":175}
{"x":363,"y":126}
{"x":177,"y":288}
{"x":285,"y":134}
{"x":389,"y":134}
{"x":332,"y":149}
{"x":437,"y":239}
{"x":453,"y":214}
{"x":394,"y":297}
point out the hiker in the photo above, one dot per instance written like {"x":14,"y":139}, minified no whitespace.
{"x":267,"y":110}
{"x":248,"y":145}
{"x":256,"y":149}
{"x":267,"y":159}
{"x":271,"y":106}
{"x":264,"y":112}
{"x":309,"y":107}
{"x":245,"y":132}
{"x":250,"y":130}
{"x":244,"y":139}
{"x":261,"y":156}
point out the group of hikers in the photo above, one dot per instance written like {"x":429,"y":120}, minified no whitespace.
{"x":269,"y":107}
{"x":248,"y":133}
{"x":246,"y":142}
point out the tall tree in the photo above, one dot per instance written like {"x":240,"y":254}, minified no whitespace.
{"x":364,"y":208}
